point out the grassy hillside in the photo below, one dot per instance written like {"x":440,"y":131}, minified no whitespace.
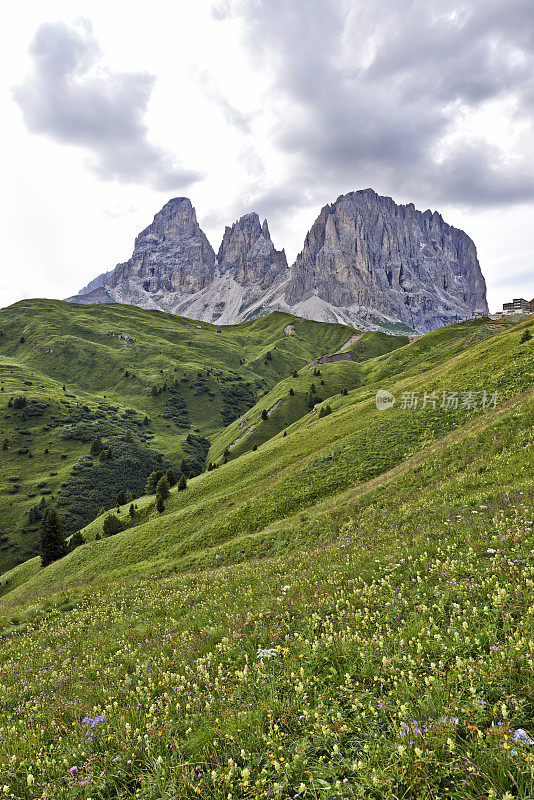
{"x":254,"y":502}
{"x":77,"y":372}
{"x":345,"y":612}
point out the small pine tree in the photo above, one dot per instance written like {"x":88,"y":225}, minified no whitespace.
{"x":76,"y":540}
{"x":22,"y":340}
{"x":53,"y":543}
{"x":295,"y":374}
{"x":268,"y":356}
{"x":264,"y":415}
{"x":254,"y":446}
{"x":162,"y":489}
{"x":171,"y":477}
{"x":5,"y":444}
{"x":526,"y":336}
{"x":131,"y":511}
{"x":112,"y":525}
{"x":182,"y":483}
{"x":291,"y":392}
{"x":96,"y":446}
{"x":106,"y":454}
{"x":285,"y":433}
{"x":160,"y":504}
{"x":153,"y":480}
{"x":312,"y":389}
{"x":121,"y":498}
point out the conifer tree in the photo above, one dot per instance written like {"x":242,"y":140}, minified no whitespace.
{"x":53,"y":543}
{"x":182,"y":483}
{"x":160,"y":504}
{"x":153,"y":480}
{"x":171,"y":477}
{"x":96,"y":446}
{"x":162,"y":489}
{"x":264,"y":415}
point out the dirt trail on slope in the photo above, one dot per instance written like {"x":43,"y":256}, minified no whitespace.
{"x":351,"y":340}
{"x":251,"y":428}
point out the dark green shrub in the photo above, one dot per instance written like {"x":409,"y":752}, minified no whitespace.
{"x":112,"y":525}
{"x":182,"y":483}
{"x":76,"y":540}
{"x":160,"y":504}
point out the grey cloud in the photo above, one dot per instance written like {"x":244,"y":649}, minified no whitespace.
{"x":372,"y":90}
{"x":70,"y":99}
{"x":233,"y":116}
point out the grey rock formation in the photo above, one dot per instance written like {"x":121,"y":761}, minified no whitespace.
{"x":366,"y":261}
{"x":96,"y":283}
{"x":248,"y":253}
{"x":367,"y":258}
{"x":171,"y":255}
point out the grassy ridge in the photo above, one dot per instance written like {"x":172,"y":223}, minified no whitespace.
{"x":108,"y":367}
{"x":245,"y":505}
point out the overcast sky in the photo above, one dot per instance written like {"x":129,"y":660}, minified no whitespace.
{"x":274,"y":106}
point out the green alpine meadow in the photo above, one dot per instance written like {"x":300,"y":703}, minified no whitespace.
{"x":274,"y":559}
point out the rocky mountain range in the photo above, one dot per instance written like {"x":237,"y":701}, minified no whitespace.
{"x":366,"y":261}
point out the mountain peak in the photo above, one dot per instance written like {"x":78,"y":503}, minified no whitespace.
{"x":248,"y":253}
{"x":366,"y":261}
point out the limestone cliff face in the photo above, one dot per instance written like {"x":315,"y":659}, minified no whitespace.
{"x":367,"y":255}
{"x":248,"y":253}
{"x":366,"y":261}
{"x":171,"y":255}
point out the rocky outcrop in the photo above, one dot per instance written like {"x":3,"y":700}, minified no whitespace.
{"x":171,"y":255}
{"x":366,"y":257}
{"x":248,"y":254}
{"x":366,"y":261}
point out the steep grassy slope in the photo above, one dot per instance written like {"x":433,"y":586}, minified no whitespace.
{"x":382,"y":646}
{"x":252,"y":504}
{"x":116,"y":371}
{"x":377,"y":357}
